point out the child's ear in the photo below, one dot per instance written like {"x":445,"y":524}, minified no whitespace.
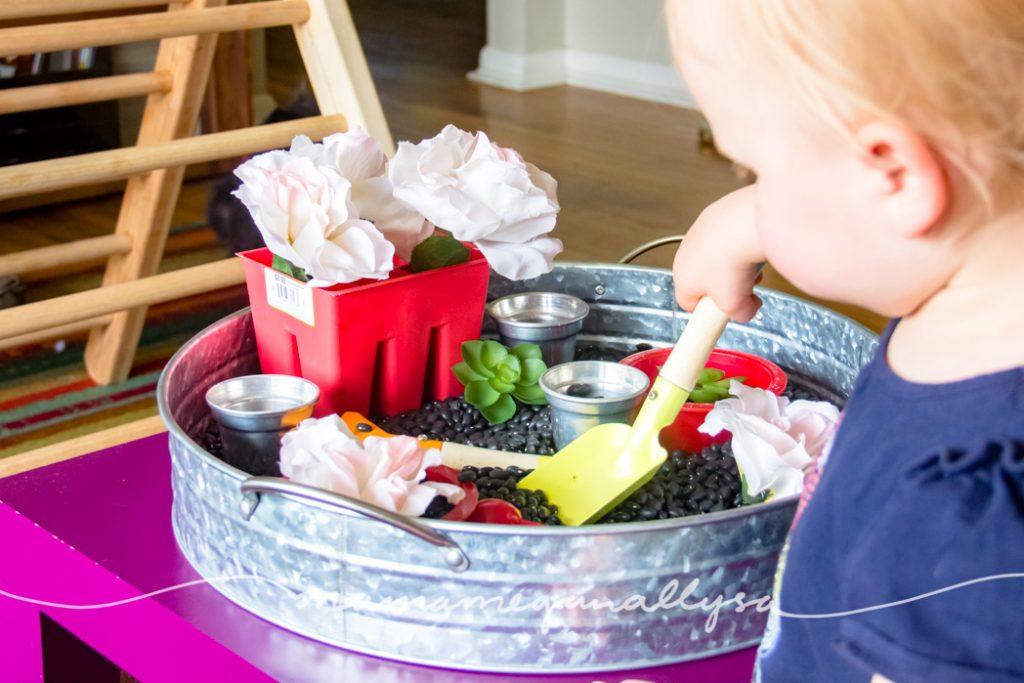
{"x":906,"y":174}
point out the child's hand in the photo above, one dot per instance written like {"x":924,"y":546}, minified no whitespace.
{"x":720,"y":258}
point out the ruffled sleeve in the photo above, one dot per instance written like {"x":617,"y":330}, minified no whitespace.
{"x":936,"y":585}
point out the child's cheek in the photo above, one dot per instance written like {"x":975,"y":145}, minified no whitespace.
{"x":793,"y":239}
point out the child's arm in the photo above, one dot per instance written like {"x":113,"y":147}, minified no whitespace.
{"x":720,"y":257}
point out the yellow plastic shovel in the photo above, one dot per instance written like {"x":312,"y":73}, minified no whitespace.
{"x":606,"y":464}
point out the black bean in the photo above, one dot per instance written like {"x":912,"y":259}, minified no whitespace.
{"x":438,"y":507}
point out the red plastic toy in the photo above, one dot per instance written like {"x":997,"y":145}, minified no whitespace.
{"x":497,"y":511}
{"x":682,"y":434}
{"x":449,"y":475}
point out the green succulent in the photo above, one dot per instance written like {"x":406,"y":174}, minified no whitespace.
{"x":712,"y":385}
{"x":493,"y":374}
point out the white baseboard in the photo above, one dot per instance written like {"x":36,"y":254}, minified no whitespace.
{"x":518,"y":71}
{"x":629,"y":77}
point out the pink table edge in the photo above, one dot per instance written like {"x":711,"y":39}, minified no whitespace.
{"x":97,"y":529}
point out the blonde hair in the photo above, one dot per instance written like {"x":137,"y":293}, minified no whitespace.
{"x":953,"y":70}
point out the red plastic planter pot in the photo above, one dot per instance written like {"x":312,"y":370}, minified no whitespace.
{"x":372,"y":346}
{"x":682,"y":434}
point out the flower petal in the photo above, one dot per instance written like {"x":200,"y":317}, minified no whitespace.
{"x":483,"y":193}
{"x":386,"y":472}
{"x":521,"y":261}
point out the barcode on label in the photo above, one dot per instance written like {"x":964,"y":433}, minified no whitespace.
{"x":290,"y":296}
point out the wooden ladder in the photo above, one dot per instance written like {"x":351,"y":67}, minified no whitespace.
{"x":187,"y":30}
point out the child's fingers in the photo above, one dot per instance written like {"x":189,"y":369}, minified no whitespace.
{"x":746,"y":309}
{"x":739,"y":304}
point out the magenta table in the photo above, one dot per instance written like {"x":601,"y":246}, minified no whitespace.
{"x":97,"y":530}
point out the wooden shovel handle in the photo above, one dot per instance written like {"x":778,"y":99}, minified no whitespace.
{"x":695,"y":345}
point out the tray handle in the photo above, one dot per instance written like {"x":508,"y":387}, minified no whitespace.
{"x":254,"y":487}
{"x":648,"y":246}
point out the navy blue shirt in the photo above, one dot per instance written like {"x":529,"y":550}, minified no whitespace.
{"x":923,"y":490}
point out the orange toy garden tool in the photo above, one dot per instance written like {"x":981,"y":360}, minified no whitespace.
{"x":607,"y":463}
{"x":455,"y":455}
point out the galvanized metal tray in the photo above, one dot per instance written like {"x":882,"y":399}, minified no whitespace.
{"x":488,"y":597}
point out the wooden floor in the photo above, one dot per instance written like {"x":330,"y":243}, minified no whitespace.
{"x":628,"y":170}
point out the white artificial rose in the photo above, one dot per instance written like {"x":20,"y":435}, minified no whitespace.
{"x":305,"y":214}
{"x":358,"y":158}
{"x":773,"y":439}
{"x":312,"y":454}
{"x":386,"y":472}
{"x":482,"y":193}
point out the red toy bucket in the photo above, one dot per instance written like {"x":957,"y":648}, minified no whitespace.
{"x":682,"y":434}
{"x":372,"y":346}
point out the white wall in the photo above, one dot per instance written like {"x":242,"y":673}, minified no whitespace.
{"x":631,"y":29}
{"x":618,"y":46}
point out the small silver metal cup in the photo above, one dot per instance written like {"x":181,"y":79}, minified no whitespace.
{"x":549,"y":319}
{"x":254,"y":412}
{"x":586,"y":393}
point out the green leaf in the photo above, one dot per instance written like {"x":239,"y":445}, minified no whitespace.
{"x":532,"y":394}
{"x":285,"y":266}
{"x":508,"y":370}
{"x":492,"y":353}
{"x":471,"y":354}
{"x":500,"y":386}
{"x":437,"y":251}
{"x":702,"y":395}
{"x":500,"y":411}
{"x":526,"y":350}
{"x":481,"y":394}
{"x":533,"y":368}
{"x":466,"y":374}
{"x":709,"y":375}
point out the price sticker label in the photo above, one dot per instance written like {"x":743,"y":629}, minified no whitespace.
{"x":290,"y":296}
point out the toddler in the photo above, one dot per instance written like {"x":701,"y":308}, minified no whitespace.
{"x":887,"y":139}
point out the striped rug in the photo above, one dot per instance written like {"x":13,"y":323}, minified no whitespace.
{"x":46,"y":396}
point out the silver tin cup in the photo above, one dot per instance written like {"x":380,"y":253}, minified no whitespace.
{"x":254,"y":412}
{"x":549,"y":319}
{"x":586,"y":393}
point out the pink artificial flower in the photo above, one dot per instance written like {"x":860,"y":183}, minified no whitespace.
{"x":774,"y":440}
{"x":386,"y":472}
{"x":482,"y":193}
